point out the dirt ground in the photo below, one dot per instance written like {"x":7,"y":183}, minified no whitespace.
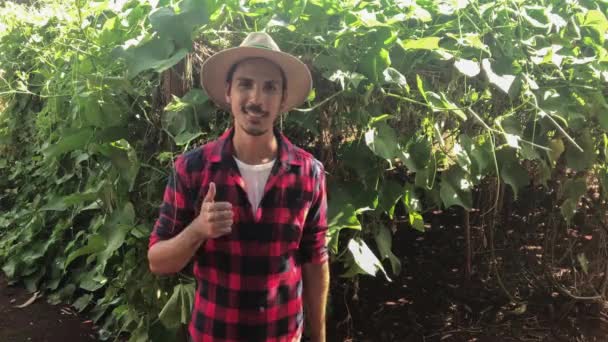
{"x":39,"y":321}
{"x":430,"y":301}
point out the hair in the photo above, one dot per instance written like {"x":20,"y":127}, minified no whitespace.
{"x":232,"y":69}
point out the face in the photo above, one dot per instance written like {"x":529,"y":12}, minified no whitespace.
{"x":255,"y":96}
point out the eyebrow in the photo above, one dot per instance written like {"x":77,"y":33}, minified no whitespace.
{"x":251,"y":80}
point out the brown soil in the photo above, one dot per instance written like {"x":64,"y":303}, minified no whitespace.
{"x":39,"y":321}
{"x":430,"y":301}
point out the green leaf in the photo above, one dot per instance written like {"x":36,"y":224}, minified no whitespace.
{"x":417,"y":154}
{"x":384,"y":241}
{"x":393,"y":76}
{"x":364,"y":258}
{"x":179,"y":26}
{"x":596,"y":20}
{"x":178,"y":308}
{"x":467,"y":67}
{"x":95,"y":244}
{"x":123,"y":158}
{"x":382,"y":140}
{"x":341,"y":211}
{"x":511,"y":172}
{"x":158,"y":54}
{"x":374,"y":63}
{"x":389,"y":195}
{"x":573,"y":190}
{"x":114,"y":232}
{"x":82,"y":302}
{"x":506,"y":83}
{"x":62,"y":203}
{"x":92,"y":281}
{"x":455,"y":188}
{"x":557,"y":148}
{"x":186,"y":137}
{"x":421,"y":87}
{"x":480,"y":155}
{"x":462,"y":157}
{"x":578,"y":160}
{"x":416,"y":220}
{"x":426,"y":43}
{"x":346,"y":79}
{"x":70,"y":141}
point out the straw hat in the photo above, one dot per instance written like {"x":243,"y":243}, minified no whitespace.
{"x":256,"y":45}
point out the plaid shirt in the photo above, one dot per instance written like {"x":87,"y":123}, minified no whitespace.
{"x":249,"y":281}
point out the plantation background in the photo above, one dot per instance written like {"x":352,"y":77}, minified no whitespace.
{"x":464,"y":141}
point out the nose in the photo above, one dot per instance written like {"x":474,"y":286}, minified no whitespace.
{"x":256,"y":95}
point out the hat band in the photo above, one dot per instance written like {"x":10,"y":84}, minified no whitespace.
{"x":261,"y":46}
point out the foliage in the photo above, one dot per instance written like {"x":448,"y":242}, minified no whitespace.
{"x":416,"y":103}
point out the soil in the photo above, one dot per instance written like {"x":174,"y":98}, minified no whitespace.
{"x":431,"y":301}
{"x":39,"y":321}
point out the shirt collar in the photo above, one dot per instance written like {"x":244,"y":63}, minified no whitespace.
{"x":223,"y":151}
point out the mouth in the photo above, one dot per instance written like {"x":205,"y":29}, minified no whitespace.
{"x":257,"y":113}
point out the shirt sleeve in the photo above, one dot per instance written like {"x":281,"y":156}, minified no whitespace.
{"x":313,"y":246}
{"x":176,"y":211}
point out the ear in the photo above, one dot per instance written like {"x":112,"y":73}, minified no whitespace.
{"x":227,"y":93}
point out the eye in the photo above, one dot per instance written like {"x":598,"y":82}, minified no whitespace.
{"x":271,"y":86}
{"x":245,"y":84}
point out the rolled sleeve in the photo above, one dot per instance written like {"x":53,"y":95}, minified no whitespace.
{"x":313,"y":246}
{"x":176,"y":210}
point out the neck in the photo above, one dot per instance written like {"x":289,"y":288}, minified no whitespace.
{"x":254,"y":150}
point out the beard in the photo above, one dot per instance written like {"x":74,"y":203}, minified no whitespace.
{"x":252,"y":130}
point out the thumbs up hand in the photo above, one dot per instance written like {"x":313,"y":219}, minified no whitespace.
{"x":215,"y":218}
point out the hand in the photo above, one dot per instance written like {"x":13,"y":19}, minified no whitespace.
{"x":215,"y":218}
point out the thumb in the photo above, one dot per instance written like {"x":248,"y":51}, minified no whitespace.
{"x":210,"y":197}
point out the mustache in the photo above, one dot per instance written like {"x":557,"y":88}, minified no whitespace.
{"x":254,"y":109}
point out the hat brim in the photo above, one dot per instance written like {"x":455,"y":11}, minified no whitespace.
{"x":215,"y":70}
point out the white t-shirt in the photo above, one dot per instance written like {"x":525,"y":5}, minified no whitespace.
{"x":255,"y":177}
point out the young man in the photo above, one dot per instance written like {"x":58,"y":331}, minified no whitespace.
{"x":250,"y":208}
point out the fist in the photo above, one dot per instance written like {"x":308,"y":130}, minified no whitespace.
{"x":215,"y":218}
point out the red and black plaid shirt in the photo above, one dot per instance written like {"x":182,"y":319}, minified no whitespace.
{"x":249,"y":281}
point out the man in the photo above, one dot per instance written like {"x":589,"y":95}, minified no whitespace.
{"x":250,"y":208}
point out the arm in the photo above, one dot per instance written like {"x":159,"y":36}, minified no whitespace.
{"x":172,"y":254}
{"x":313,"y":251}
{"x":316,"y":286}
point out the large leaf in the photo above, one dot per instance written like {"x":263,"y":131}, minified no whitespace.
{"x":417,"y":154}
{"x":374,"y":63}
{"x":70,"y":140}
{"x":384,"y":241}
{"x":506,"y":83}
{"x":596,"y":21}
{"x":115,"y":230}
{"x":382,"y":140}
{"x":455,"y":188}
{"x":581,"y":160}
{"x":511,"y":172}
{"x":426,"y":43}
{"x":365,"y":260}
{"x":573,"y":190}
{"x":123,"y":158}
{"x":158,"y":54}
{"x":390,"y":193}
{"x":467,"y":67}
{"x":178,"y":308}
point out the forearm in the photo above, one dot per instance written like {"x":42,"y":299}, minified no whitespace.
{"x":170,"y":256}
{"x":316,"y":286}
